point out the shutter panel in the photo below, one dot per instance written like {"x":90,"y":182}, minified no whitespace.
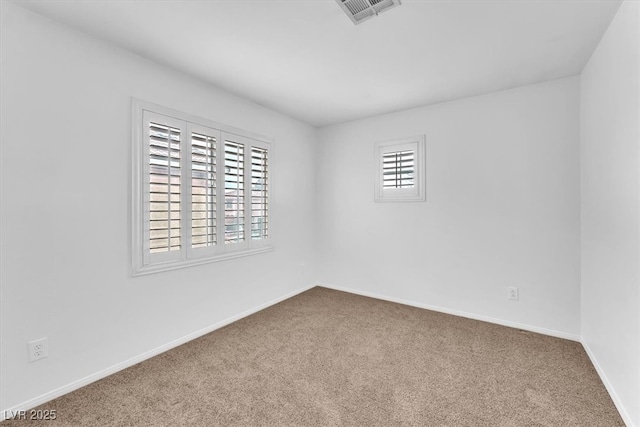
{"x":203,"y":190}
{"x":164,"y":188}
{"x":398,"y":169}
{"x":259,"y":193}
{"x":234,"y":170}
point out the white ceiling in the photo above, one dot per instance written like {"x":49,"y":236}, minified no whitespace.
{"x":307,"y":60}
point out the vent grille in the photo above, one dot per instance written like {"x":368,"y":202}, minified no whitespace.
{"x":361,"y":10}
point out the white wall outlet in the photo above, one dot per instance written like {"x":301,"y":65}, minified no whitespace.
{"x":38,"y":349}
{"x":512,"y":293}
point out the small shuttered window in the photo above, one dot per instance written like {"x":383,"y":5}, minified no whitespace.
{"x":191,"y":200}
{"x":400,"y":170}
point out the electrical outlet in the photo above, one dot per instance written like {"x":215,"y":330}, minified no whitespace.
{"x":512,"y":293}
{"x":38,"y":349}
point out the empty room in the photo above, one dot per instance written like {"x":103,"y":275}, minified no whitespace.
{"x":320,"y":212}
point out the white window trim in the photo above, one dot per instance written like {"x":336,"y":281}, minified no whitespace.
{"x":187,"y":257}
{"x":416,"y":194}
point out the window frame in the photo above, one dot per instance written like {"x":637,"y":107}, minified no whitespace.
{"x":417,"y":193}
{"x":142,"y":261}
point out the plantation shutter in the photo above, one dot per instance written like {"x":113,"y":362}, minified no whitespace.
{"x":234,"y":190}
{"x":199,"y":194}
{"x":204,"y":186}
{"x":163,"y":185}
{"x":398,"y":169}
{"x":259,"y":193}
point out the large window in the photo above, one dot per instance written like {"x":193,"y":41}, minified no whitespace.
{"x":200,"y":191}
{"x":399,"y":170}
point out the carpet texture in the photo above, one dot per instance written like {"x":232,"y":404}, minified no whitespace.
{"x":328,"y":358}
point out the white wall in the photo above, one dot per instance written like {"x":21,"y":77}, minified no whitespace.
{"x":502,"y":208}
{"x":65,"y":195}
{"x":610,"y":165}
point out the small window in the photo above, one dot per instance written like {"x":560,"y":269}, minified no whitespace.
{"x":399,"y":170}
{"x":190,"y":201}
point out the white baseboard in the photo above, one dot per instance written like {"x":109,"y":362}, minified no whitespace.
{"x":144,"y":356}
{"x":544,"y":331}
{"x":147,"y":355}
{"x":607,"y":384}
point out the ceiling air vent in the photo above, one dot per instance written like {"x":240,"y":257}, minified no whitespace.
{"x":361,"y":10}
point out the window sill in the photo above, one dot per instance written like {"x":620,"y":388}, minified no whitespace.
{"x":175,"y":265}
{"x":392,"y":198}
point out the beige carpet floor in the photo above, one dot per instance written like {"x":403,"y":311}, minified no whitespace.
{"x":328,"y":358}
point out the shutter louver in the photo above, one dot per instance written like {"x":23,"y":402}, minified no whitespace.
{"x":203,"y":190}
{"x":259,"y":193}
{"x":164,"y":188}
{"x":233,"y":192}
{"x":398,"y":169}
